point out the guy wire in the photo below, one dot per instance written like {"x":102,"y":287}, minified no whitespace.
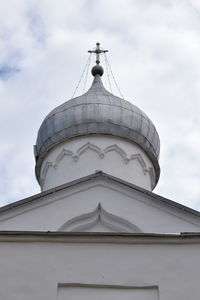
{"x":88,"y":61}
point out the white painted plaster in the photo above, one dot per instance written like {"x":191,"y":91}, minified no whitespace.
{"x":35,"y":270}
{"x":99,"y":220}
{"x":100,"y":292}
{"x":82,"y":156}
{"x":51,"y":212}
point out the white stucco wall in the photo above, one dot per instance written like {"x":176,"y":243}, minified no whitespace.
{"x":49,"y":212}
{"x":82,"y":156}
{"x":54,"y":270}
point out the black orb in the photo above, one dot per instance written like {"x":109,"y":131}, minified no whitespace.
{"x":97,"y":70}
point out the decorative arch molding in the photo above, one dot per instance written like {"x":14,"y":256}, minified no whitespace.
{"x":141,"y":161}
{"x":118,"y":150}
{"x":101,"y":153}
{"x":61,"y":155}
{"x":44,"y":171}
{"x":85,"y":147}
{"x":146,"y":169}
{"x":101,"y":217}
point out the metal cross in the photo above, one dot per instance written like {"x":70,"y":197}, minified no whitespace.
{"x":98,"y":51}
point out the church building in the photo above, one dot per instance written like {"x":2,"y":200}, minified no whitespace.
{"x":96,"y":230}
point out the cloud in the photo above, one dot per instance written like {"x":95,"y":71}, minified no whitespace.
{"x":7,"y":71}
{"x":154,"y":51}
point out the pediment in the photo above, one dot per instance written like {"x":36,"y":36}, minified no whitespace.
{"x":99,"y":202}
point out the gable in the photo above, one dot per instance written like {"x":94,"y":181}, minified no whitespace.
{"x":120,"y":203}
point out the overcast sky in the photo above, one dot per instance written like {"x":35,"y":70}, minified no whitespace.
{"x":154,"y":52}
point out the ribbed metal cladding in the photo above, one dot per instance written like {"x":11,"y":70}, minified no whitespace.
{"x":97,"y":112}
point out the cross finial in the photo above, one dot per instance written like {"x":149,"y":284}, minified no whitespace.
{"x":98,"y":51}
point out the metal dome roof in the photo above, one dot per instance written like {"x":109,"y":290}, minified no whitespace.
{"x":97,"y":112}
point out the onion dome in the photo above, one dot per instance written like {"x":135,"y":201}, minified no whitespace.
{"x":97,"y":112}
